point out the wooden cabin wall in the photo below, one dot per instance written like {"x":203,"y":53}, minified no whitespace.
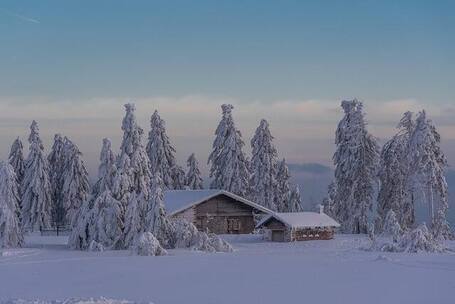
{"x":308,"y":234}
{"x":221,"y":215}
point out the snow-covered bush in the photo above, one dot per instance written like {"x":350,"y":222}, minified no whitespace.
{"x":441,"y":228}
{"x":419,"y":239}
{"x":186,"y":235}
{"x":391,"y":226}
{"x":95,"y":246}
{"x":147,"y":245}
{"x":217,"y":244}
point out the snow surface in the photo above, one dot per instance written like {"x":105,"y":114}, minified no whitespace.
{"x":302,"y":219}
{"x":100,"y":300}
{"x":257,"y":272}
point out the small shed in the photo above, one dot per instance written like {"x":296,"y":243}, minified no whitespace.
{"x":298,"y":226}
{"x":217,"y":211}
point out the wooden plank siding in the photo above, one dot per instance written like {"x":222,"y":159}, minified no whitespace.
{"x":297,"y":234}
{"x":221,"y":215}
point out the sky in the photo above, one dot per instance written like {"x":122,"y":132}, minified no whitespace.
{"x":71,"y":65}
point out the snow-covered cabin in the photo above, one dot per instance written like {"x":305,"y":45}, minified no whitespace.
{"x":298,"y":226}
{"x":217,"y":211}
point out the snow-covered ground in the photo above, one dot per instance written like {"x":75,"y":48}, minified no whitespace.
{"x":257,"y":272}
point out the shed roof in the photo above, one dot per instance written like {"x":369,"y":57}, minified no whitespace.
{"x":177,"y":201}
{"x":301,"y":219}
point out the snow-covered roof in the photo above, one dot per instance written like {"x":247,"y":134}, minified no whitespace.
{"x":301,"y":219}
{"x":177,"y":201}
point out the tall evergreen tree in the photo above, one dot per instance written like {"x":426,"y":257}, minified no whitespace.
{"x":394,"y":174}
{"x":295,"y":200}
{"x":178,"y":176}
{"x":193,"y":176}
{"x":101,"y":216}
{"x":16,"y":159}
{"x":36,"y":188}
{"x":56,"y":160}
{"x":76,"y":187}
{"x":132,"y":182}
{"x":229,"y":165}
{"x":264,"y":162}
{"x":161,"y":152}
{"x":283,"y":187}
{"x":428,"y":165}
{"x":156,"y":220}
{"x":329,"y":200}
{"x":355,"y":160}
{"x":106,"y":169}
{"x":10,"y":228}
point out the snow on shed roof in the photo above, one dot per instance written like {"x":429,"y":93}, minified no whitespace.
{"x":301,"y":219}
{"x":176,"y":201}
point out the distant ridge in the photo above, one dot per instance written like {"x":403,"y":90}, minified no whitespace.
{"x":314,"y":168}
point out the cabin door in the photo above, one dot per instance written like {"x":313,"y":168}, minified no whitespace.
{"x":233,"y":225}
{"x":277,"y":236}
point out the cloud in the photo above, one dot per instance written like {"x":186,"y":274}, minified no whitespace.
{"x":18,"y":16}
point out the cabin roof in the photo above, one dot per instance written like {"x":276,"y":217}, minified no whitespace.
{"x":301,"y":219}
{"x":176,"y":201}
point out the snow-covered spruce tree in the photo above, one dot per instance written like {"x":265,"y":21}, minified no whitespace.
{"x":100,"y":221}
{"x":56,"y":160}
{"x":394,"y":175}
{"x":229,"y":165}
{"x":264,"y":163}
{"x":106,"y":169}
{"x":193,"y":176}
{"x":134,"y":223}
{"x":178,"y":175}
{"x":130,"y":193}
{"x":329,"y":200}
{"x":132,"y":183}
{"x":10,"y":227}
{"x":355,"y":160}
{"x":16,"y":159}
{"x":283,"y":192}
{"x":428,"y":165}
{"x":295,"y":201}
{"x":156,"y":219}
{"x":101,"y":217}
{"x":161,"y":152}
{"x":76,"y":187}
{"x":36,"y":188}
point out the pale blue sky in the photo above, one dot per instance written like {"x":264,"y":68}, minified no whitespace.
{"x":260,"y":49}
{"x":305,"y":55}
